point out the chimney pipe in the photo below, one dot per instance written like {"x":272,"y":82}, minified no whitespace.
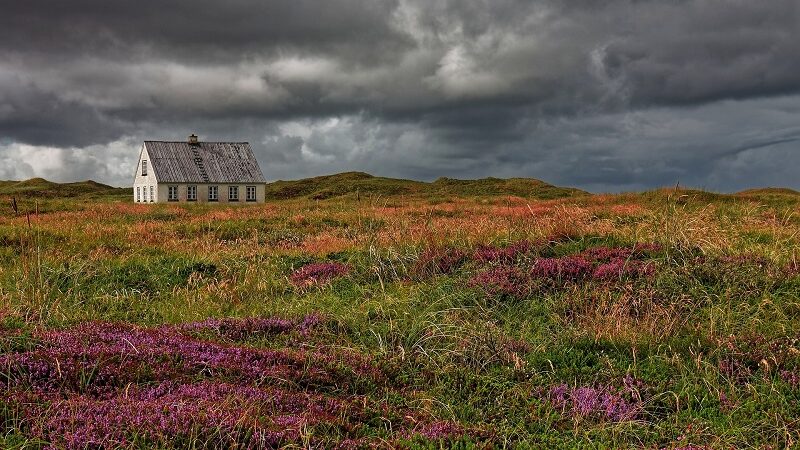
{"x":193,"y":139}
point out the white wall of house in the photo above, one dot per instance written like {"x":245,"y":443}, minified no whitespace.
{"x":144,"y":184}
{"x":202,"y":190}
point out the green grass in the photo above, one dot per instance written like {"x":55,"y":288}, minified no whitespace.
{"x":39,"y":187}
{"x":521,"y":187}
{"x":723,"y":294}
{"x":362,"y":184}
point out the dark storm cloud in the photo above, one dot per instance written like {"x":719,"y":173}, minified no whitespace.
{"x":601,"y":94}
{"x":716,"y":50}
{"x":194,"y":30}
{"x":32,"y":115}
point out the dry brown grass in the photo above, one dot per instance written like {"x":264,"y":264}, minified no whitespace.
{"x":625,"y":313}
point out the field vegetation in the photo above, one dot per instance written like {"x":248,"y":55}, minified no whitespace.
{"x":41,"y":188}
{"x":362,"y":312}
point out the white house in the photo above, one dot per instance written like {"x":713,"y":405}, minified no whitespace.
{"x":194,"y":171}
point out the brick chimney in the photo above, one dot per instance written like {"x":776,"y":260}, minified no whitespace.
{"x":193,"y":139}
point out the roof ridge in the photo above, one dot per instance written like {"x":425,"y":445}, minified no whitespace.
{"x":201,"y":142}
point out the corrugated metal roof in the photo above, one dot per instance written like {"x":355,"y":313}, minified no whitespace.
{"x":204,"y":162}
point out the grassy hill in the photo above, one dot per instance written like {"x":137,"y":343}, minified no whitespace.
{"x":39,"y":187}
{"x":358,"y":182}
{"x":328,"y":186}
{"x":319,"y":188}
{"x":769,"y":191}
{"x":521,"y":187}
{"x":772,"y":196}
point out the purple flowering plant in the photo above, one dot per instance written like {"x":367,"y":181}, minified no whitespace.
{"x":318,"y":274}
{"x":510,"y":277}
{"x":602,"y":403}
{"x":110,"y":385}
{"x":503,"y":255}
{"x":503,"y":281}
{"x":438,"y":260}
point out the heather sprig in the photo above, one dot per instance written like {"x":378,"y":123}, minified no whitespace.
{"x":506,"y":281}
{"x":740,"y":357}
{"x":218,"y":414}
{"x":438,"y":261}
{"x":318,"y":274}
{"x":600,"y":264}
{"x":567,"y":268}
{"x":619,"y":268}
{"x":504,"y":255}
{"x":593,"y":402}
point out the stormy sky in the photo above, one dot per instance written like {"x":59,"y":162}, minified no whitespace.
{"x":602,"y":95}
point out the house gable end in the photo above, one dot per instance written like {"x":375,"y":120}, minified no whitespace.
{"x":137,"y":172}
{"x":152,"y":173}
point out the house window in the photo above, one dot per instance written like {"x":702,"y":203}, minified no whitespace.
{"x":138,"y":194}
{"x":152,"y":197}
{"x":233,"y":193}
{"x":213,"y":193}
{"x":250,"y":193}
{"x":191,"y":193}
{"x":144,"y":167}
{"x":172,"y":193}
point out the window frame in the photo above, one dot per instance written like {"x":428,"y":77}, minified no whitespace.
{"x":138,"y":194}
{"x":172,"y":193}
{"x":215,"y":190}
{"x":152,"y":197}
{"x":191,"y":193}
{"x":144,"y":167}
{"x":247,"y":191}
{"x":231,"y":191}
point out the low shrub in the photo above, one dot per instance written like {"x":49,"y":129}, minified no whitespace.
{"x":318,"y":274}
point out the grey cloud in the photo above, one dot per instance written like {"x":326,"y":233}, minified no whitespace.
{"x":192,"y":30}
{"x":714,"y":50}
{"x":608,"y":95}
{"x":35,"y":116}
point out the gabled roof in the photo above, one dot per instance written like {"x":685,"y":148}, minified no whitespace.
{"x":203,"y":162}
